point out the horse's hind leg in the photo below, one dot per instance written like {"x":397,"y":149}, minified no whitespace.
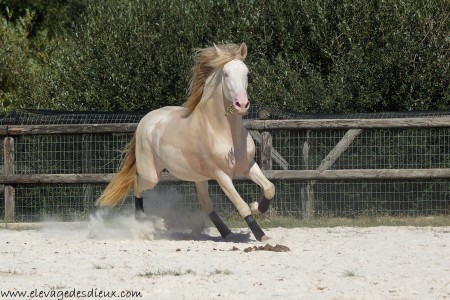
{"x":140,"y":185}
{"x":147,"y":176}
{"x":139,"y":207}
{"x":207,"y":206}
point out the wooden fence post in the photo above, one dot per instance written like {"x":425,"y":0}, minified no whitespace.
{"x":307,"y":192}
{"x":266,"y":156}
{"x":9,"y":170}
{"x":87,"y":166}
{"x":266,"y":142}
{"x":266,"y":151}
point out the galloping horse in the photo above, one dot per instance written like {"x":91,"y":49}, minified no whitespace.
{"x":202,"y":140}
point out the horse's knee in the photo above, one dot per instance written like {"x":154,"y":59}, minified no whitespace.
{"x":206,"y":205}
{"x":269,"y":191}
{"x":263,"y":205}
{"x":243,"y":209}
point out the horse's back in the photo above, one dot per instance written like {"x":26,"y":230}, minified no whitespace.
{"x":153,"y":125}
{"x":160,"y":114}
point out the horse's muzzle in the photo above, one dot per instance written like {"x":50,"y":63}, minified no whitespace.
{"x":242,"y":106}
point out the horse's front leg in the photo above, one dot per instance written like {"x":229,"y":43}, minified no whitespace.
{"x":257,"y":176}
{"x":207,"y":206}
{"x":227,"y":186}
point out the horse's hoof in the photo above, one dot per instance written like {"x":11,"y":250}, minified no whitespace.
{"x":140,"y":216}
{"x":265,"y":238}
{"x":254,"y":208}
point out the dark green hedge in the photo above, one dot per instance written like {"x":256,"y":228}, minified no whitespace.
{"x":328,"y":56}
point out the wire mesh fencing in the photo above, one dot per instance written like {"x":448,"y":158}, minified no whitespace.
{"x":300,"y":149}
{"x":371,"y":149}
{"x":69,"y":153}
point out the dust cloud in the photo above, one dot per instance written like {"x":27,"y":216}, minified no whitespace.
{"x":163,"y":220}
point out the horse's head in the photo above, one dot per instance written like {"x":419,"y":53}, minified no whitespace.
{"x":235,"y":81}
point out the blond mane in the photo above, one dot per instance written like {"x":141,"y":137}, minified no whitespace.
{"x":208,"y":60}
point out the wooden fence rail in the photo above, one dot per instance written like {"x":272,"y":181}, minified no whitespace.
{"x":429,"y":122}
{"x":302,"y":175}
{"x":323,"y":172}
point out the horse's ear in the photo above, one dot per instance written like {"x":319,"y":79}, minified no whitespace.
{"x":218,"y":51}
{"x":243,"y":50}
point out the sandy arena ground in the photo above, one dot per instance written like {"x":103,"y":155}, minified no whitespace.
{"x":323,"y":263}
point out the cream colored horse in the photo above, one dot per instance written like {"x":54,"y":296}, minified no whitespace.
{"x":205,"y":139}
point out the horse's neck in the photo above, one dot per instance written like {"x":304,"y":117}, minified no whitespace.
{"x":214,"y":109}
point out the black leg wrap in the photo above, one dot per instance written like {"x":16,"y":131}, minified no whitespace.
{"x":254,"y":227}
{"x":220,"y":225}
{"x":139,"y":206}
{"x":263,"y":205}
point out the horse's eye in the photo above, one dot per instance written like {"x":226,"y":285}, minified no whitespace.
{"x":225,"y":75}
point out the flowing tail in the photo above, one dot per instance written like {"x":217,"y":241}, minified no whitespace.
{"x":118,"y":189}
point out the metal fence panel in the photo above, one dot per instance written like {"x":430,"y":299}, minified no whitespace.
{"x":332,"y":199}
{"x":305,"y":149}
{"x":371,"y":149}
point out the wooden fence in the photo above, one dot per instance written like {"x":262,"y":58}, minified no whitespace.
{"x":323,"y":172}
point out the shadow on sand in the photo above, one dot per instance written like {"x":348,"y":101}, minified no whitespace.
{"x":235,"y":237}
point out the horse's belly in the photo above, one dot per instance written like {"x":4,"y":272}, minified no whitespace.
{"x":188,"y":176}
{"x":174,"y":160}
{"x":185,"y":171}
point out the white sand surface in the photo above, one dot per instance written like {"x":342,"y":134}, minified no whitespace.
{"x":323,"y":263}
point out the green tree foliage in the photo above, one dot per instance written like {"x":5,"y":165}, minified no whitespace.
{"x":29,"y":32}
{"x":51,"y":17}
{"x":16,"y":59}
{"x":304,"y":55}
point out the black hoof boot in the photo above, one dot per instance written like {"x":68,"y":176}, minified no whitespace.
{"x":139,"y":208}
{"x":264,"y":205}
{"x":220,"y":225}
{"x":256,"y":230}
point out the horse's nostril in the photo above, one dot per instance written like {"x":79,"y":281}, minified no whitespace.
{"x":238,"y":104}
{"x":247,"y":105}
